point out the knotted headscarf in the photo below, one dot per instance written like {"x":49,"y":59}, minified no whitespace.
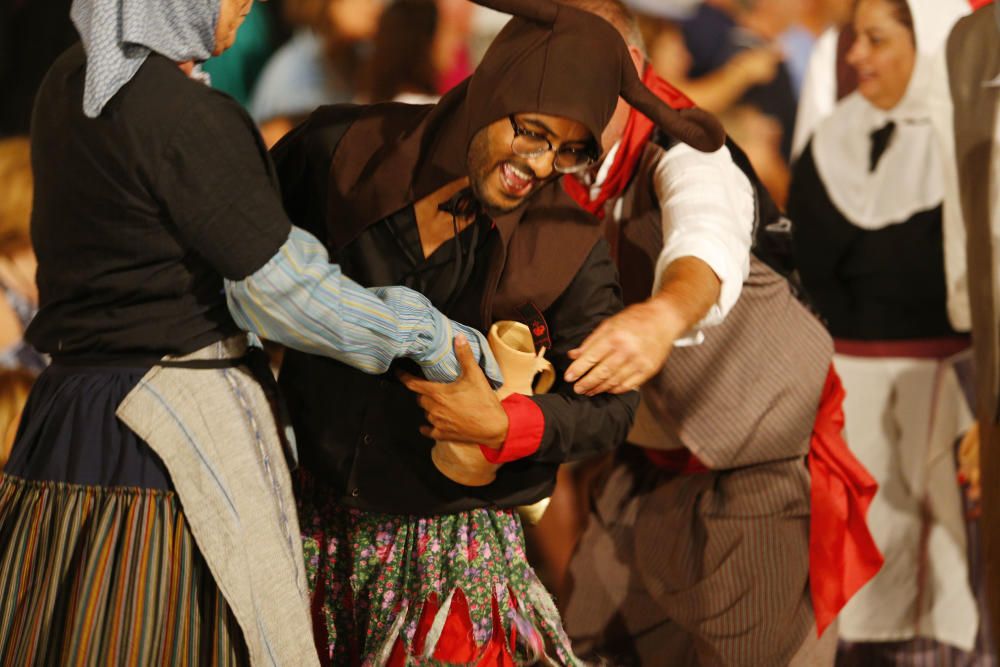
{"x":118,"y":36}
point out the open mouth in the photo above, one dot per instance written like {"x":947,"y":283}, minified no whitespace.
{"x":516,"y":182}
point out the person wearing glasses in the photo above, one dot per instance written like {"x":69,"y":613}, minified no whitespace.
{"x":460,"y":201}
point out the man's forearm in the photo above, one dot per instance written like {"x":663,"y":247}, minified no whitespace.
{"x":688,"y":290}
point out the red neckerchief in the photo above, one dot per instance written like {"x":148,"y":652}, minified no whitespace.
{"x":843,"y":556}
{"x":638,"y":129}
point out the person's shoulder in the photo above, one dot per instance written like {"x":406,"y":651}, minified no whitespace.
{"x":975,"y":33}
{"x":69,"y":63}
{"x":165,"y":95}
{"x":71,"y":59}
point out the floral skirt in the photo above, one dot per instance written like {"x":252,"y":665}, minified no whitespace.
{"x":106,"y":575}
{"x":401,"y":590}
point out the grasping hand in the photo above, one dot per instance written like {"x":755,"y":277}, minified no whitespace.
{"x":466,"y":410}
{"x":625,"y":350}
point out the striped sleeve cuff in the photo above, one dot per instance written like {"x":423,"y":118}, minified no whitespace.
{"x":301,"y":300}
{"x":524,"y":432}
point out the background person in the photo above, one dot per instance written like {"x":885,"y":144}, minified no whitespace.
{"x":149,"y":470}
{"x":866,"y":203}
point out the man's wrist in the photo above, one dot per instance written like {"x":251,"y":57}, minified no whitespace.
{"x":500,"y":432}
{"x":669,"y":316}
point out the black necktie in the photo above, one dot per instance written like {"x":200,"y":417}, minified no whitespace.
{"x":880,"y":141}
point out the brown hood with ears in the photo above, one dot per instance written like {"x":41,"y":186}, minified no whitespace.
{"x":574,"y":64}
{"x":550,"y":59}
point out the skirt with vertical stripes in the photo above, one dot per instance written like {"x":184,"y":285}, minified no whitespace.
{"x":98,"y":565}
{"x":110,"y":576}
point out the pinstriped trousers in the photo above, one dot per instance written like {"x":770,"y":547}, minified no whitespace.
{"x":705,"y":569}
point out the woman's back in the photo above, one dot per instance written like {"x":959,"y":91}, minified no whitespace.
{"x":133,"y":211}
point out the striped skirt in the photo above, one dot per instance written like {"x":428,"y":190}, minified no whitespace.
{"x":105,"y":575}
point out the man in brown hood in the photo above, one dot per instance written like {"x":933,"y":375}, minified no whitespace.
{"x":460,"y":201}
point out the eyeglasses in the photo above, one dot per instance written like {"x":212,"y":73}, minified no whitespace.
{"x":568,"y":159}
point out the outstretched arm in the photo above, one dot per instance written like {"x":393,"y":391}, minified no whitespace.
{"x":708,"y":213}
{"x":301,"y":300}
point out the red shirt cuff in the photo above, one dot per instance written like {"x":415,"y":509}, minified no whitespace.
{"x":526,"y":425}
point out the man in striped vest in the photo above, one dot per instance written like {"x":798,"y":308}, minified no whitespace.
{"x":711,"y":539}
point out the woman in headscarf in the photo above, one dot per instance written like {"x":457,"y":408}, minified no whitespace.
{"x":866,"y":200}
{"x":145,"y":512}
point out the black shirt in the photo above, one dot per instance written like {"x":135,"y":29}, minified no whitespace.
{"x":140,"y":213}
{"x":881,"y":284}
{"x":358,"y":434}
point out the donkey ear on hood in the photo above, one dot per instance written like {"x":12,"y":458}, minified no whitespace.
{"x":695,"y":127}
{"x":539,"y":11}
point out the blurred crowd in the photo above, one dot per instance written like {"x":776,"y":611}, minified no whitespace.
{"x":745,"y":60}
{"x":772,"y":70}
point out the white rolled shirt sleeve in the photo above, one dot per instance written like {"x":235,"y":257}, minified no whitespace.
{"x":708,"y":212}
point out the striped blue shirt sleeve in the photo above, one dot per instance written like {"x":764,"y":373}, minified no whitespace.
{"x":301,"y":300}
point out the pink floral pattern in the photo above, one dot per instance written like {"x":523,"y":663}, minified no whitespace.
{"x":372,"y":575}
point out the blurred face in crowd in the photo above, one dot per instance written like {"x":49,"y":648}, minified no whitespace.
{"x":354,"y":20}
{"x":883,"y":54}
{"x":231,"y":15}
{"x":503,"y":174}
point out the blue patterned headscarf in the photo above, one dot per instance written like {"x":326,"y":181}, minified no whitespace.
{"x":118,"y":35}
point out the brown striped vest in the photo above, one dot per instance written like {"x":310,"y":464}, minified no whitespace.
{"x":749,"y":393}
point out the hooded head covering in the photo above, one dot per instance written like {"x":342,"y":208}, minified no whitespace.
{"x":118,"y":36}
{"x":550,"y":58}
{"x":881,"y":167}
{"x":572,"y":63}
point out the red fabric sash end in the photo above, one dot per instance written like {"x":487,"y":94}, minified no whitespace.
{"x":638,"y":129}
{"x":676,"y":461}
{"x":843,"y":556}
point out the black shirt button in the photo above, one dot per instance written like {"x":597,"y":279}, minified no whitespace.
{"x":367,"y":439}
{"x":355,"y":493}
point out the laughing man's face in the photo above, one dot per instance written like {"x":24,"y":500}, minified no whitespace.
{"x":501,"y":179}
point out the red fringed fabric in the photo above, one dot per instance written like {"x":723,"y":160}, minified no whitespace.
{"x":843,"y":556}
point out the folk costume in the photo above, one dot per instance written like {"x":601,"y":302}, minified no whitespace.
{"x":866,"y":199}
{"x":698,"y":545}
{"x":406,"y":566}
{"x":146,"y":513}
{"x":967,"y":115}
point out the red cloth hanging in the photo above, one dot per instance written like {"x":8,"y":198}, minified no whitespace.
{"x":843,"y":556}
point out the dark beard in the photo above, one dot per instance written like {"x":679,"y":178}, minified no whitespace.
{"x":479,"y":168}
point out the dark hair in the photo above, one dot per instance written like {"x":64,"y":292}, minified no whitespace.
{"x":402,"y":60}
{"x":901,"y":12}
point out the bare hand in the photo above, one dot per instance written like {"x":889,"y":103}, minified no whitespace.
{"x":624,"y":350}
{"x":466,"y":410}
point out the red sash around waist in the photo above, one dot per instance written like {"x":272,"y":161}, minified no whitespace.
{"x":843,"y":556}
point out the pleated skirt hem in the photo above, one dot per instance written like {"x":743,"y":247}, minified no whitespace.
{"x":106,"y":575}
